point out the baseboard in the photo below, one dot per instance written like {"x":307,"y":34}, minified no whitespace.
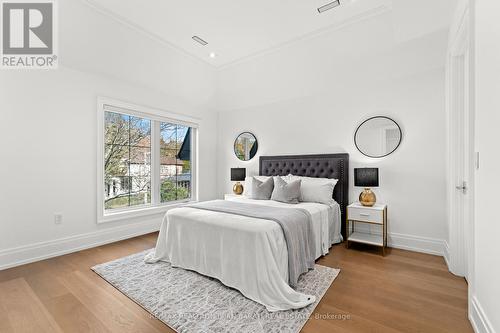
{"x":409,"y":242}
{"x":446,"y":254}
{"x":44,"y":250}
{"x":417,"y":244}
{"x":478,"y":319}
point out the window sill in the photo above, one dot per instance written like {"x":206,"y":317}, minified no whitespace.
{"x":140,"y":212}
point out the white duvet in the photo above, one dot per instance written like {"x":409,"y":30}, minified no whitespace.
{"x":244,"y":253}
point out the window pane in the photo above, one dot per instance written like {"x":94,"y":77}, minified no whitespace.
{"x":175,"y":159}
{"x":127,"y":161}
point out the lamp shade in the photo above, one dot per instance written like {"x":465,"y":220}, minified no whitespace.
{"x":238,"y":174}
{"x":366,"y":177}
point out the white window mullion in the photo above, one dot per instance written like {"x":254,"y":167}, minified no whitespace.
{"x":155,"y":162}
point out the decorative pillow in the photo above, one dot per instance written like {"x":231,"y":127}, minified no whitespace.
{"x":262,"y":190}
{"x":316,"y":189}
{"x":286,"y":192}
{"x":247,"y":189}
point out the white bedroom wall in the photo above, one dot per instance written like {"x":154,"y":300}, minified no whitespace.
{"x":48,"y":131}
{"x":309,"y":97}
{"x":98,"y":42}
{"x":485,"y":302}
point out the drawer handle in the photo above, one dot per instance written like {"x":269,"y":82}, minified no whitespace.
{"x":364,"y":214}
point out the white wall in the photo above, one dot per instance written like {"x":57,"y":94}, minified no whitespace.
{"x":48,"y":131}
{"x":486,"y":288}
{"x":310,"y":96}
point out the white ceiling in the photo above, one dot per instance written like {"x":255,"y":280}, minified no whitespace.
{"x":236,"y":29}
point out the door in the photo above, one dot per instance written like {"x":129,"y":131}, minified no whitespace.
{"x":461,"y":153}
{"x":460,"y":180}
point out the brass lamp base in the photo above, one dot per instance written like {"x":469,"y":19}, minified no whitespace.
{"x":238,"y":188}
{"x":367,"y":197}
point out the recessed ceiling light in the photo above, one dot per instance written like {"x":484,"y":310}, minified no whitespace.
{"x":212,"y":55}
{"x":329,"y":6}
{"x":199,"y":40}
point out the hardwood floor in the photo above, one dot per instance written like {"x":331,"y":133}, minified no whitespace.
{"x":401,"y":292}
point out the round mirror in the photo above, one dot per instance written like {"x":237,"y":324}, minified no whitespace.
{"x":245,"y":146}
{"x":378,"y":136}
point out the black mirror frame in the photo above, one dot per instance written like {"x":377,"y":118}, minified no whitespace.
{"x":256,"y":142}
{"x":375,"y":117}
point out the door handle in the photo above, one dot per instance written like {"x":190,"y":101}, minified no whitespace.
{"x":462,"y":187}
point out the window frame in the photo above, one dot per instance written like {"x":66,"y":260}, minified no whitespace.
{"x":155,"y":116}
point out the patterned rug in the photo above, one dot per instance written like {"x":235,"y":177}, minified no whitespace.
{"x":190,"y":302}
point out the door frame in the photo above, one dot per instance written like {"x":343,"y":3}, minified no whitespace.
{"x":460,"y":52}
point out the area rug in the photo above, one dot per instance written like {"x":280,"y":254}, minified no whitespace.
{"x":190,"y":302}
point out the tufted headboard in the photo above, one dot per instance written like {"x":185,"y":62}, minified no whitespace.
{"x":322,"y":166}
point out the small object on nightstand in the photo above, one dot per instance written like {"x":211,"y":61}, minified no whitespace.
{"x":366,"y":177}
{"x":237,"y":175}
{"x":369,"y":216}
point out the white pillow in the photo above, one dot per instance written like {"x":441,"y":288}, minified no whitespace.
{"x":247,"y":188}
{"x":287,"y":192}
{"x":315,"y":189}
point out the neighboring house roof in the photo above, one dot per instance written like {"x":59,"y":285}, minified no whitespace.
{"x":170,"y":160}
{"x":185,"y":150}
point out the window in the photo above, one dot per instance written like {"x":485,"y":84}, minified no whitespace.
{"x":145,"y":160}
{"x":127,"y":160}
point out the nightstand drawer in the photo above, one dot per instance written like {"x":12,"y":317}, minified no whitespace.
{"x":366,"y":215}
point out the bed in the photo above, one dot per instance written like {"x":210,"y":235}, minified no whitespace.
{"x":249,"y":253}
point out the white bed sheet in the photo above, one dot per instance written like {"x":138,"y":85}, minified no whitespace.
{"x":244,"y":253}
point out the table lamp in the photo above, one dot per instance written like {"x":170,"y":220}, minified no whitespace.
{"x":366,"y":177}
{"x":238,"y":175}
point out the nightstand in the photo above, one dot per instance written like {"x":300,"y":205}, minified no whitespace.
{"x":375,"y":215}
{"x":228,"y":196}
